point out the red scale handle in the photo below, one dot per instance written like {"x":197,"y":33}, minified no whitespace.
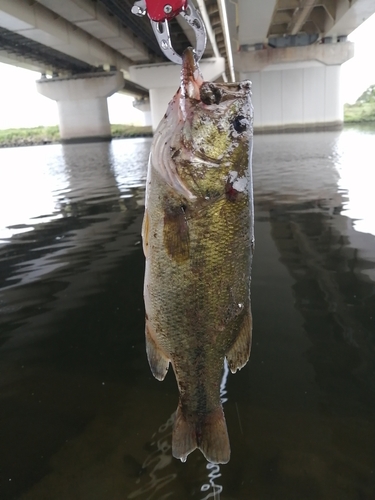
{"x":160,"y":10}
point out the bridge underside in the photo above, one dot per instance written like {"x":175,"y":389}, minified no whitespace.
{"x":281,"y":23}
{"x":292,"y":51}
{"x":29,"y":54}
{"x":275,"y":43}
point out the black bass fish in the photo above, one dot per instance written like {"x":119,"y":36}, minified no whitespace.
{"x":198,"y":243}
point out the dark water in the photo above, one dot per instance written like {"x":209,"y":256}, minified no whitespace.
{"x":81,"y":416}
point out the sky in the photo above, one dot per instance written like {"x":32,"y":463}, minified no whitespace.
{"x":22,"y":106}
{"x":358,"y":73}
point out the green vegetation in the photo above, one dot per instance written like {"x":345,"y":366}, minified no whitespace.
{"x":29,"y":136}
{"x":355,"y":113}
{"x":130,"y":131}
{"x":363,"y":110}
{"x":367,"y":96}
{"x":47,"y":135}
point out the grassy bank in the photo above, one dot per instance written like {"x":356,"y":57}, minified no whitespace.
{"x":28,"y":136}
{"x":119,"y":131}
{"x":48,"y":135}
{"x":359,"y":113}
{"x":363,"y":110}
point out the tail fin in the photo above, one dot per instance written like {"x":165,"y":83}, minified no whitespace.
{"x":214,"y":441}
{"x":206,"y":432}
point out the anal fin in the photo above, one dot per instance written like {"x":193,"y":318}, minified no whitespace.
{"x":158,"y":361}
{"x":145,"y":232}
{"x":239,"y":353}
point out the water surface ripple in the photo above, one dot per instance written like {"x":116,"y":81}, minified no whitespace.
{"x":81,"y":416}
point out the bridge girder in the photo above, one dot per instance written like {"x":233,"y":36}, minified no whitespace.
{"x":253,"y":24}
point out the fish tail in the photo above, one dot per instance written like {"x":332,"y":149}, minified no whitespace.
{"x":184,"y":437}
{"x":207,"y":432}
{"x":214,"y":440}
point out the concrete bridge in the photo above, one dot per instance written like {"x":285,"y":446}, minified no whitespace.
{"x":86,"y":50}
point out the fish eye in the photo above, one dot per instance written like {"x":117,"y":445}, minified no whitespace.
{"x":207,"y":97}
{"x":210,"y":94}
{"x":240,"y":123}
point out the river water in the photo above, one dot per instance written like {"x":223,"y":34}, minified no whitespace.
{"x":82,"y":418}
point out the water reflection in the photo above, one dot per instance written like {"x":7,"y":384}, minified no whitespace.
{"x":157,"y":460}
{"x":78,"y":404}
{"x":42,"y":183}
{"x":29,"y":177}
{"x":161,"y":458}
{"x":73,"y":197}
{"x":354,"y":158}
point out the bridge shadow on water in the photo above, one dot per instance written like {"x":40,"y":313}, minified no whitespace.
{"x":81,"y":416}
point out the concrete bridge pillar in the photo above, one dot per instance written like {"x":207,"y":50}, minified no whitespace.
{"x":144,"y":106}
{"x":82,"y":104}
{"x":295,"y":88}
{"x":163,"y":80}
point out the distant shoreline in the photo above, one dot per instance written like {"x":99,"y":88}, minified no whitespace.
{"x":38,"y":136}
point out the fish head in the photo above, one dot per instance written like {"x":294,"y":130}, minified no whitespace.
{"x":205,"y":138}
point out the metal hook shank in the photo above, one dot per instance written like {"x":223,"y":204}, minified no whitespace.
{"x":162,"y":34}
{"x":193,"y":18}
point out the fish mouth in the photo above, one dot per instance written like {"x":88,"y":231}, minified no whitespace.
{"x":191,"y":77}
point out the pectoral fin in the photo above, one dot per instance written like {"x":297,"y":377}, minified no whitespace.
{"x":158,"y":361}
{"x":176,"y":234}
{"x":239,"y":353}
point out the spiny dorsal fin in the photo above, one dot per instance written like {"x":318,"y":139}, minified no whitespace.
{"x":239,"y":353}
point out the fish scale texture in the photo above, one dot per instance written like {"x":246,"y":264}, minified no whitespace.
{"x":199,"y":303}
